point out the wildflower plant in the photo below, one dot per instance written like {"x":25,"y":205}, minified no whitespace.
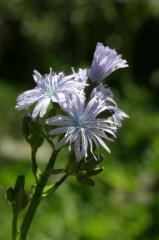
{"x":77,"y":111}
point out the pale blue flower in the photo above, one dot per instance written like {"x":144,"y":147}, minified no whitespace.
{"x":83,"y":127}
{"x":105,"y":61}
{"x":118,"y":116}
{"x":81,"y":76}
{"x":50,"y":87}
{"x":103,"y":93}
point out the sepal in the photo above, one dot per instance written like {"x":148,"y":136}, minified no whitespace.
{"x":83,"y":170}
{"x":107,"y":113}
{"x":95,"y":171}
{"x":90,"y":164}
{"x":85,"y":180}
{"x":32,"y":132}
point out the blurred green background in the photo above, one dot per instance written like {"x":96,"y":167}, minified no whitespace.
{"x":38,"y":34}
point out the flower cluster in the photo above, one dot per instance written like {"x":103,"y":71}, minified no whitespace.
{"x":91,"y":117}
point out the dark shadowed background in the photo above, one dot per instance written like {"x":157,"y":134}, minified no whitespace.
{"x":36,"y":34}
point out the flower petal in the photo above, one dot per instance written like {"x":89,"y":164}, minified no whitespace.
{"x":41,"y":108}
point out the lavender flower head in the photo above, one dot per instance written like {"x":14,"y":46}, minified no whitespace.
{"x":105,"y":61}
{"x":50,"y":87}
{"x":103,"y":93}
{"x":81,"y":76}
{"x":83,"y":127}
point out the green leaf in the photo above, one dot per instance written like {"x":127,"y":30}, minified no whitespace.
{"x":21,"y":198}
{"x":10,"y":195}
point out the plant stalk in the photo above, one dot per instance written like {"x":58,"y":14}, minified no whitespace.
{"x":34,"y":164}
{"x":14,"y":226}
{"x":38,"y":196}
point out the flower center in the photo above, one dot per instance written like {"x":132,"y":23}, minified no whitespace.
{"x":50,"y":90}
{"x":83,"y":122}
{"x":49,"y":85}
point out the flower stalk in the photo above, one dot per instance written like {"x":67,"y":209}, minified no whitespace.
{"x":34,"y":163}
{"x":14,"y":225}
{"x":38,"y":196}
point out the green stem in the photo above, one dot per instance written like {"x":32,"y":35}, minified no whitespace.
{"x":38,"y":196}
{"x":48,"y":139}
{"x":14,"y":226}
{"x":34,"y":164}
